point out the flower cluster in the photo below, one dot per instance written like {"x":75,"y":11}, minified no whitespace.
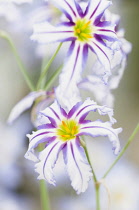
{"x":62,"y":112}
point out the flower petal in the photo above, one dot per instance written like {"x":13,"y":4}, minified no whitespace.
{"x":103,"y":53}
{"x":48,"y":158}
{"x":67,"y":93}
{"x":69,"y":8}
{"x":98,"y":128}
{"x":101,"y":92}
{"x":81,"y":110}
{"x":95,"y":9}
{"x":45,"y":33}
{"x":77,"y":165}
{"x":23,"y":105}
{"x":54,"y":113}
{"x":35,"y":139}
{"x":106,"y":31}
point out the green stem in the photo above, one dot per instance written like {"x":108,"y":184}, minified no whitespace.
{"x":5,"y":36}
{"x":97,"y":184}
{"x":123,"y":150}
{"x":46,"y":68}
{"x":53,"y":78}
{"x":97,"y":188}
{"x":45,"y":204}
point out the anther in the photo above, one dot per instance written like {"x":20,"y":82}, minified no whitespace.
{"x":85,"y":25}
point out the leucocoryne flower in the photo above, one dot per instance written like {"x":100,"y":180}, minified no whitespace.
{"x":63,"y":133}
{"x":85,"y":29}
{"x":41,"y":99}
{"x":94,"y":83}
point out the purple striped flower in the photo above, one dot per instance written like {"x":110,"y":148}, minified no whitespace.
{"x":86,"y":30}
{"x":63,"y":133}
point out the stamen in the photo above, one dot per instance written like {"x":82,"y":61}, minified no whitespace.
{"x":86,"y":35}
{"x":73,"y":130}
{"x":67,"y":136}
{"x":78,"y":30}
{"x":86,"y":24}
{"x":65,"y":126}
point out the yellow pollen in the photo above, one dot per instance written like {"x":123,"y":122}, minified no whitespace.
{"x":65,"y":126}
{"x":65,"y":136}
{"x":86,"y":35}
{"x":85,"y":25}
{"x":73,"y":130}
{"x":78,"y":30}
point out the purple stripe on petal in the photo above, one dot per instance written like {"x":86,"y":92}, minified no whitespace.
{"x":70,"y":8}
{"x":74,"y":109}
{"x":45,"y":139}
{"x":97,"y":19}
{"x":66,"y":13}
{"x":104,"y":24}
{"x":71,"y":146}
{"x":108,"y":38}
{"x":81,"y":120}
{"x":87,"y":8}
{"x":98,"y":38}
{"x":85,"y":54}
{"x":40,"y":135}
{"x":52,"y":121}
{"x":95,"y":9}
{"x":45,"y":126}
{"x":83,"y":109}
{"x":54,"y":32}
{"x":63,"y":112}
{"x":71,"y":48}
{"x":100,"y":128}
{"x":79,"y":9}
{"x":68,"y":39}
{"x":47,"y":159}
{"x":54,"y":113}
{"x":67,"y":24}
{"x":76,"y":59}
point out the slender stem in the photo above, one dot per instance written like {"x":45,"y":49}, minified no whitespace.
{"x":5,"y":36}
{"x":97,"y":184}
{"x":97,"y":189}
{"x":45,"y":204}
{"x":88,"y":158}
{"x":53,"y":78}
{"x":123,"y":150}
{"x":46,"y":68}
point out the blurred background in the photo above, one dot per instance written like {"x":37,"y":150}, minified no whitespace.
{"x":19,"y":187}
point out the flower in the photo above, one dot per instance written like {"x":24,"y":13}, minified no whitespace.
{"x":41,"y":98}
{"x":63,"y":133}
{"x":85,"y":29}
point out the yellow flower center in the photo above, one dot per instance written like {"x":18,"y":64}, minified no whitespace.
{"x":67,"y":130}
{"x":83,"y":30}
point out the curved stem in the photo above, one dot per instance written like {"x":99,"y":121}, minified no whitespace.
{"x":123,"y":150}
{"x":53,"y":78}
{"x":97,"y":184}
{"x":46,"y":68}
{"x":45,"y":204}
{"x":5,"y":36}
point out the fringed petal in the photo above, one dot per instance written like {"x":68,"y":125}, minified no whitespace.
{"x":77,"y":165}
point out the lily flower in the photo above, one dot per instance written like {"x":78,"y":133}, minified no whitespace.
{"x":85,"y":30}
{"x":63,"y":133}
